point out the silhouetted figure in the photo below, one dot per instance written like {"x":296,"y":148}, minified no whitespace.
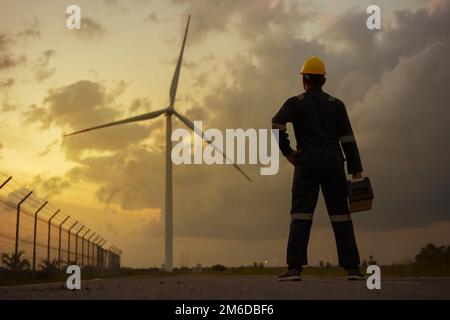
{"x":321,"y":127}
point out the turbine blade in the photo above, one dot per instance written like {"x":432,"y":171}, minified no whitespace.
{"x":145,"y":116}
{"x":176,"y":75}
{"x":199,"y":132}
{"x":190,"y":124}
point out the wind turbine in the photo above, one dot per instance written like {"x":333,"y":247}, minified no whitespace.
{"x":168,"y":112}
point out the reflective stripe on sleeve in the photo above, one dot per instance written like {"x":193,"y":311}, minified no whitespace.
{"x":301,"y":216}
{"x":279,"y":126}
{"x":346,"y":139}
{"x":340,"y":217}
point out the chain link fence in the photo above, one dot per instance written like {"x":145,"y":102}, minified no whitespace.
{"x":35,"y":235}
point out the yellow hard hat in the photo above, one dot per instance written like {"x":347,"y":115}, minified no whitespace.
{"x":313,"y":65}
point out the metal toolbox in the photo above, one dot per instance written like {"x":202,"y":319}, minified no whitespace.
{"x":360,"y":195}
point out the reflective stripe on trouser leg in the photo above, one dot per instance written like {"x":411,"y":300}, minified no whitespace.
{"x":347,"y":139}
{"x":340,"y":217}
{"x":301,"y":216}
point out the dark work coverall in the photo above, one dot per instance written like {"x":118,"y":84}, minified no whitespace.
{"x":321,"y":127}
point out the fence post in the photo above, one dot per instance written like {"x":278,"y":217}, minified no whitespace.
{"x":34,"y":236}
{"x":97,"y":257}
{"x":106,"y":256}
{"x":59,"y":241}
{"x":115,"y":258}
{"x":103,"y":253}
{"x":76,"y":244}
{"x":104,"y":259}
{"x":100,"y":255}
{"x":88,"y":245}
{"x":94,"y":254}
{"x":5,"y":182}
{"x":16,"y":249}
{"x":118,"y":258}
{"x":68,"y":242}
{"x":49,"y":231}
{"x":82,"y":246}
{"x":111,"y":258}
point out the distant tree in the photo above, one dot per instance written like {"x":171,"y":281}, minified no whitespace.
{"x":49,"y":267}
{"x":218,"y":267}
{"x":255,"y":265}
{"x":14,"y":262}
{"x":364,"y":264}
{"x":328,"y":265}
{"x":261,"y":265}
{"x":184,"y":269}
{"x":447,"y":255}
{"x":433,"y":255}
{"x":321,"y":264}
{"x":372,"y":260}
{"x":65,"y":264}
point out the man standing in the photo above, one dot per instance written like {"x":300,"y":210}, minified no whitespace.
{"x":321,"y":127}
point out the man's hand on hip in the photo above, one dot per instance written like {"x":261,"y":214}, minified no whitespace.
{"x":293,"y":156}
{"x":357,"y":175}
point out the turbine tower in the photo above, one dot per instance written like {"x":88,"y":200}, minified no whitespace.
{"x":168,"y":112}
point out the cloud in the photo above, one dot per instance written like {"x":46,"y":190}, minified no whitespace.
{"x":36,"y":115}
{"x":267,"y":74}
{"x":7,"y":105}
{"x":131,"y":178}
{"x":112,"y":230}
{"x":253,"y":18}
{"x":393,"y":85}
{"x":8,"y":59}
{"x":50,"y":187}
{"x":90,"y":29}
{"x":5,"y":86}
{"x":41,"y":68}
{"x":7,"y":83}
{"x":31,"y":29}
{"x":404,"y":131}
{"x":371,"y":54}
{"x":116,"y":5}
{"x":81,"y":105}
{"x":151,"y":17}
{"x":140,"y":104}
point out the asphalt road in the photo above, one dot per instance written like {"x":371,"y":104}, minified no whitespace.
{"x":234,"y":287}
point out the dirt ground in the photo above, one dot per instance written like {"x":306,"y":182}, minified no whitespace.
{"x":233,"y":287}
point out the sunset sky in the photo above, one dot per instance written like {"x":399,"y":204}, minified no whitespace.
{"x":241,"y":63}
